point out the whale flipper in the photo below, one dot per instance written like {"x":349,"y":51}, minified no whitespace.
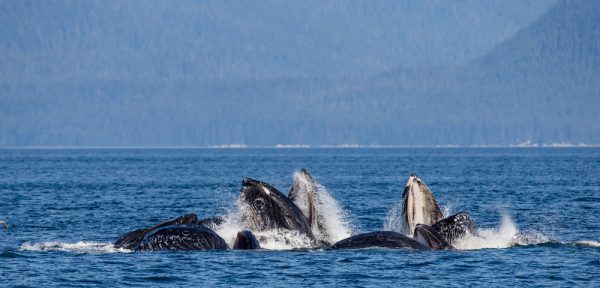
{"x":456,"y":226}
{"x":384,"y":239}
{"x":181,"y":238}
{"x":245,"y":240}
{"x":418,"y":205}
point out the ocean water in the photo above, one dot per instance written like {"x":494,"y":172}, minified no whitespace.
{"x":538,"y":209}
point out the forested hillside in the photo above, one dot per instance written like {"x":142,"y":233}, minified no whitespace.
{"x":387,"y":73}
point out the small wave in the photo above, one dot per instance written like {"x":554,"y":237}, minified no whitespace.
{"x":587,"y":243}
{"x":78,"y":247}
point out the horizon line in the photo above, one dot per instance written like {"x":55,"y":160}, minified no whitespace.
{"x":298,"y":146}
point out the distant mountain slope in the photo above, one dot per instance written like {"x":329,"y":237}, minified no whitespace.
{"x":564,"y":43}
{"x":546,"y":79}
{"x":539,"y":86}
{"x":159,"y":40}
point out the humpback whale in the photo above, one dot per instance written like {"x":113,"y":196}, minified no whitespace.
{"x":424,"y":238}
{"x":456,"y":226}
{"x":3,"y":224}
{"x":384,"y":239}
{"x":270,"y":209}
{"x":418,"y":205}
{"x":266,"y":208}
{"x":245,"y":240}
{"x":181,"y":238}
{"x":186,"y":232}
{"x":422,"y":219}
{"x":131,"y":239}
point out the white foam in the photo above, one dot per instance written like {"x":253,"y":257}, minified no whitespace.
{"x":292,"y":146}
{"x":235,"y":146}
{"x":587,"y":243}
{"x":78,"y":247}
{"x":501,"y":237}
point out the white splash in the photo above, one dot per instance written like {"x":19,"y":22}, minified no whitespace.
{"x":502,"y":237}
{"x":507,"y":235}
{"x":78,"y":247}
{"x":587,"y":243}
{"x":332,"y":218}
{"x":394,"y":220}
{"x":332,"y":222}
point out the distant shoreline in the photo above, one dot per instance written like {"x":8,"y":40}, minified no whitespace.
{"x":298,"y":147}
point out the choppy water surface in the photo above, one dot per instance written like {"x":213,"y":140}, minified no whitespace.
{"x":65,"y":207}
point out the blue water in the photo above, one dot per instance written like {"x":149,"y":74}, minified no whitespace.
{"x":52,"y":199}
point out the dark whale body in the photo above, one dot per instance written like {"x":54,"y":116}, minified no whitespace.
{"x":187,"y":232}
{"x":181,"y":238}
{"x":245,"y":240}
{"x":455,"y":227}
{"x":384,"y":239}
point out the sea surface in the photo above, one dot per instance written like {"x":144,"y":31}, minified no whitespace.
{"x":64,"y":208}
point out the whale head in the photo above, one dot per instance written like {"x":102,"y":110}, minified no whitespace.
{"x":268,"y":208}
{"x":418,"y":205}
{"x":456,"y":226}
{"x":245,"y":240}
